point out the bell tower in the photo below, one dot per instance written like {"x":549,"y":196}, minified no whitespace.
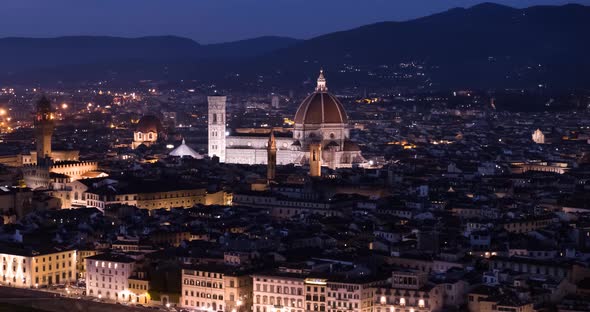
{"x":271,"y":150}
{"x":315,"y":159}
{"x":43,"y":130}
{"x":216,"y":125}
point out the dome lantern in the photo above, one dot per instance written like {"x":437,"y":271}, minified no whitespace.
{"x":321,"y":87}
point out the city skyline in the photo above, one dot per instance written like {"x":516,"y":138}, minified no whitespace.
{"x":441,"y":164}
{"x":239,"y":19}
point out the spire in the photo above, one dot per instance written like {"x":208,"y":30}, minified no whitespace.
{"x":321,"y":82}
{"x":272,"y":142}
{"x":271,"y":150}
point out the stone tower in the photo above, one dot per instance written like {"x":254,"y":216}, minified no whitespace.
{"x":216,"y":123}
{"x":315,"y":159}
{"x":271,"y":151}
{"x":43,"y":130}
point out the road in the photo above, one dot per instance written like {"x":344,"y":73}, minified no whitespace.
{"x":59,"y":302}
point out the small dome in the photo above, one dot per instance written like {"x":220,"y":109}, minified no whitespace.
{"x":321,"y":107}
{"x":149,"y":123}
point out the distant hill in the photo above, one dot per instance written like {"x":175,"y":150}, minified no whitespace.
{"x":248,"y":48}
{"x":485,"y":46}
{"x":18,"y":54}
{"x":478,"y":46}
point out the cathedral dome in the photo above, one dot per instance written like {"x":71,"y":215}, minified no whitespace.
{"x":321,"y":107}
{"x":148,"y":124}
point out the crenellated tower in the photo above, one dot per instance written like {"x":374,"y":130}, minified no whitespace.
{"x":43,"y":130}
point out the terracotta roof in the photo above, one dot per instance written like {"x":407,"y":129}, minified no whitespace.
{"x":149,"y":123}
{"x":321,"y":107}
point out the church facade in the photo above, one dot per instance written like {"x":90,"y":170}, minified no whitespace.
{"x":320,"y":122}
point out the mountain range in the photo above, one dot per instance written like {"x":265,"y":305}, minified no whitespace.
{"x":485,"y":46}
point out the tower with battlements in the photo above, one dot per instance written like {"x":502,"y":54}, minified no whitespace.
{"x":43,"y":130}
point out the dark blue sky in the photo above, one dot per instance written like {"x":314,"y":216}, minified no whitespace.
{"x":214,"y":20}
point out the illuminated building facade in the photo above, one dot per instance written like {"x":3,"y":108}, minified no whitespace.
{"x":409,"y":291}
{"x":108,"y":277}
{"x":23,"y":267}
{"x":174,"y":198}
{"x":320,"y":119}
{"x":139,"y":287}
{"x":297,"y":290}
{"x":282,"y":291}
{"x":344,"y":295}
{"x":216,"y":288}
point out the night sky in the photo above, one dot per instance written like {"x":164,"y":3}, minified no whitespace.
{"x":208,"y":21}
